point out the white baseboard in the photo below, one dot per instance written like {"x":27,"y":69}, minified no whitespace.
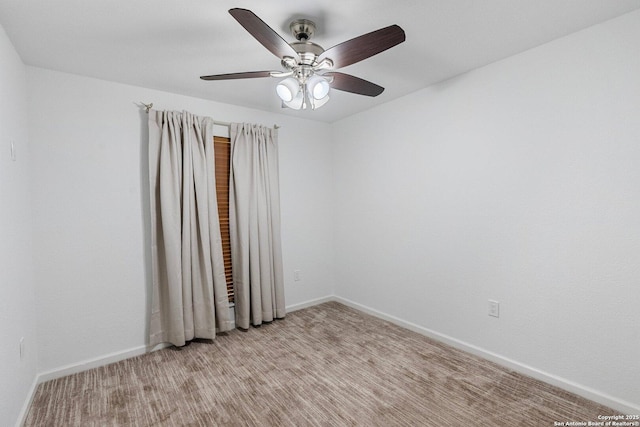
{"x":22,"y":416}
{"x":581,"y":390}
{"x":310,"y":303}
{"x":96,"y":362}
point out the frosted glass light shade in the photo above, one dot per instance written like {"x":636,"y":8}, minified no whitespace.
{"x":295,"y":103}
{"x":318,"y":87}
{"x":287,"y":89}
{"x":317,"y":103}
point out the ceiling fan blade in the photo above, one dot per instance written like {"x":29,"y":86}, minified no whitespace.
{"x":263,"y":33}
{"x":353,"y":84}
{"x":364,"y":46}
{"x":233,"y":76}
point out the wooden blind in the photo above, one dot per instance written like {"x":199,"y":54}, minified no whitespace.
{"x":222,"y":149}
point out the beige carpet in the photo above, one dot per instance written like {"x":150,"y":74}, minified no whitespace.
{"x":327,"y":365}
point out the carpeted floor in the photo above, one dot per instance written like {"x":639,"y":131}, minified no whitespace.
{"x":327,"y":365}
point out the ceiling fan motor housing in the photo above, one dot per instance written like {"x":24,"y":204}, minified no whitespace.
{"x":307,"y":51}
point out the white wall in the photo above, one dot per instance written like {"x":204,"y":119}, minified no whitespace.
{"x":518,"y":182}
{"x":90,"y":175}
{"x":17,"y":301}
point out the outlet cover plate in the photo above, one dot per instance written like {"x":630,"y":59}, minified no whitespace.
{"x":494,"y":308}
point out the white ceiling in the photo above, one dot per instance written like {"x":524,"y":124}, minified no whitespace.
{"x":168,"y":44}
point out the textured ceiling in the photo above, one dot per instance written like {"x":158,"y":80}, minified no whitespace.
{"x":168,"y":44}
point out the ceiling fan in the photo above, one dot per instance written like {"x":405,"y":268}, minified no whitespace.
{"x":308,"y":72}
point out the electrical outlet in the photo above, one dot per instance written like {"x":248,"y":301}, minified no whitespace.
{"x":494,"y":308}
{"x":21,"y":348}
{"x":297,"y":276}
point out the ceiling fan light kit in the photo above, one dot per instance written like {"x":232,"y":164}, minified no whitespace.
{"x":300,"y":92}
{"x":308,"y":78}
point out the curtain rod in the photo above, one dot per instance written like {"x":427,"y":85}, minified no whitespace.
{"x":148,"y":107}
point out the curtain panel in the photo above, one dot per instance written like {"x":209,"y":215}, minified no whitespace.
{"x":254,"y":215}
{"x":189,"y":296}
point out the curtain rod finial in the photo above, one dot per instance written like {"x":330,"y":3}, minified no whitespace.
{"x":147,"y":107}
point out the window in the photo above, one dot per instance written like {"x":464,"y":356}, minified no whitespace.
{"x":222,"y":149}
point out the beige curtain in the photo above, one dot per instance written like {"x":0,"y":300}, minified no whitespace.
{"x":189,"y":296}
{"x":254,"y":215}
